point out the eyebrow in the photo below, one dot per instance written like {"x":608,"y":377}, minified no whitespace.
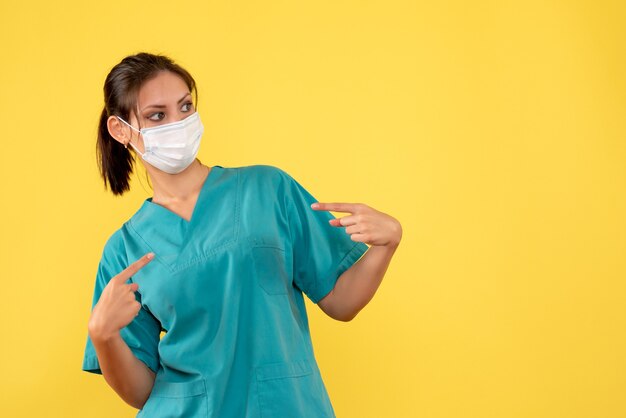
{"x":160,"y":106}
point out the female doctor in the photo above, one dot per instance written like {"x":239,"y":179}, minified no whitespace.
{"x":218,"y":259}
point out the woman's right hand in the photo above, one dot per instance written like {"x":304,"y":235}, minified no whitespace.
{"x":117,"y":306}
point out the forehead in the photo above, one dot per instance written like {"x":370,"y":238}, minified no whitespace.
{"x":163,"y":89}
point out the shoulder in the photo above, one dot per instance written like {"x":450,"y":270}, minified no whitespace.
{"x":114,"y":255}
{"x":261,"y":170}
{"x":265,"y":174}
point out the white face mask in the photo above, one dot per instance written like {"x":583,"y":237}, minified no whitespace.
{"x":171,"y":147}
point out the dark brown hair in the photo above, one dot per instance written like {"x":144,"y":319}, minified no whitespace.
{"x":121,"y":88}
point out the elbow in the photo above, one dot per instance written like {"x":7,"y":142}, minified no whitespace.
{"x":346,"y":316}
{"x":137,"y":402}
{"x":136,"y":405}
{"x":337,"y":311}
{"x":340,"y":315}
{"x":133,"y":400}
{"x":135,"y":397}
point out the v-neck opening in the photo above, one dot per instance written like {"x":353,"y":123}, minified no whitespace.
{"x":179,"y":243}
{"x":205,"y":185}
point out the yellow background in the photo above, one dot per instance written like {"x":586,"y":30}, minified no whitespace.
{"x":493,"y":130}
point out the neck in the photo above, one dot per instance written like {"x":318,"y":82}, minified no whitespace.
{"x":177,"y":187}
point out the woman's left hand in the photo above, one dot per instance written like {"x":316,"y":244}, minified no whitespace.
{"x":365,"y":224}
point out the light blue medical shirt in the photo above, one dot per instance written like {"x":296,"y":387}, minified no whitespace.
{"x":227,"y":289}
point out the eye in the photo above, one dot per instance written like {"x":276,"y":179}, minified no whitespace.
{"x":187,"y":106}
{"x":157,"y":116}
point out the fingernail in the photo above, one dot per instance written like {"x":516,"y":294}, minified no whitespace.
{"x":315,"y":205}
{"x":150,"y":256}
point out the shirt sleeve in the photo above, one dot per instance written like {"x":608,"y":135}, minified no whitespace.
{"x":321,"y":252}
{"x":142,"y":335}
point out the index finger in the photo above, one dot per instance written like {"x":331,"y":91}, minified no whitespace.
{"x":335,"y":207}
{"x":133,"y":268}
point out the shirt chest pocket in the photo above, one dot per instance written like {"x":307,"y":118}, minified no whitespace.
{"x":176,"y":399}
{"x":273,"y":269}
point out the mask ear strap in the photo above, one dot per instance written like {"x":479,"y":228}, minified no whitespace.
{"x":138,"y":152}
{"x":129,"y":125}
{"x":129,"y":142}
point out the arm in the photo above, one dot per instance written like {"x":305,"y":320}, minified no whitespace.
{"x":116,"y":308}
{"x":129,"y":377}
{"x":357,"y":285}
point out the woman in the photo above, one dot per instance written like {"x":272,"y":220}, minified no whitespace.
{"x":217,"y":259}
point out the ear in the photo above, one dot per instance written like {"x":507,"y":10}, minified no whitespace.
{"x":118,"y":130}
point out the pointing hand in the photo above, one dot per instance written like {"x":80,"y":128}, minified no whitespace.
{"x":117,"y":305}
{"x":365,"y":224}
